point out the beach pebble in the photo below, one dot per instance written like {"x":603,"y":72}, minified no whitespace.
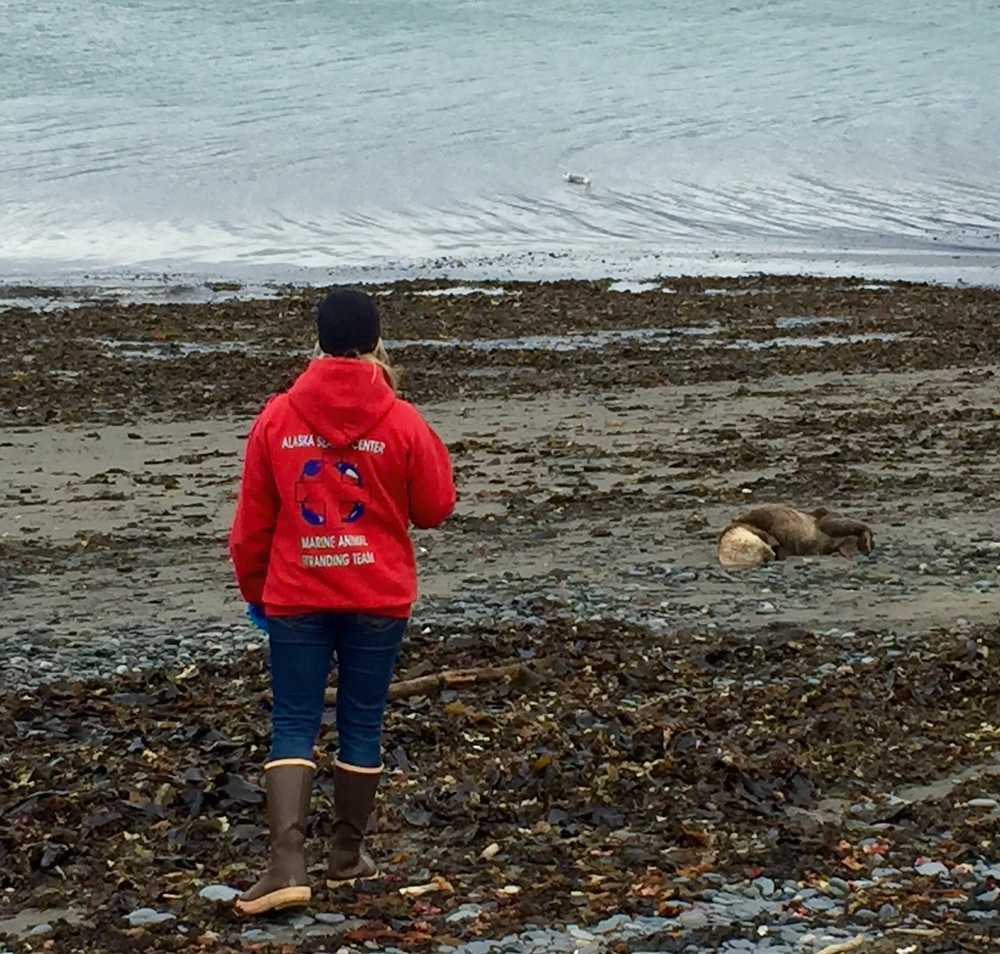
{"x":467,"y":912}
{"x":693,"y":920}
{"x":932,"y":869}
{"x":819,"y":903}
{"x":39,"y":930}
{"x":144,"y":917}
{"x":256,"y":936}
{"x":218,"y":892}
{"x":478,"y":947}
{"x":330,"y":918}
{"x":613,"y":923}
{"x":765,"y":886}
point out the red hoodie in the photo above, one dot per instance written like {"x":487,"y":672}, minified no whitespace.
{"x":336,"y":469}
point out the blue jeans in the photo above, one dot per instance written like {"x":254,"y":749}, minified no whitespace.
{"x":302,"y":651}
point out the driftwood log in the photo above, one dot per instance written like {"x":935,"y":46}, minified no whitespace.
{"x":449,"y":679}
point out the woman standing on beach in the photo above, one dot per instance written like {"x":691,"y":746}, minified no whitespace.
{"x":336,"y":469}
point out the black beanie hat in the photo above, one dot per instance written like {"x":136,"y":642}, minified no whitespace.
{"x":348,"y":323}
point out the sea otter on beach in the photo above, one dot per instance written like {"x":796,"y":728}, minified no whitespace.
{"x":774,"y":531}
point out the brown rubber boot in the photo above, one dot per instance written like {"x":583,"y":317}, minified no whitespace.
{"x":353,"y":800}
{"x":289,"y":787}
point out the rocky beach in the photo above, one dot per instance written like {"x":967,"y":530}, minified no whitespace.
{"x":800,"y":757}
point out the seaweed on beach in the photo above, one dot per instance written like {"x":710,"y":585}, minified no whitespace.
{"x":622,"y":773}
{"x":124,"y":362}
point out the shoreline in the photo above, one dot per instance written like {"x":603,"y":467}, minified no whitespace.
{"x":178,"y":281}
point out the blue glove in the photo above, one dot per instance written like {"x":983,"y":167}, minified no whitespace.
{"x":255,"y":613}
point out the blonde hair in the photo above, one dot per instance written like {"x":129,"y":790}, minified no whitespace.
{"x":378,"y":357}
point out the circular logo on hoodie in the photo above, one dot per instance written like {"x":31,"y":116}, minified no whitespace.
{"x":330,"y":492}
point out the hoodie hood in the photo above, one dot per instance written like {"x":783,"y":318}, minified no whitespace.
{"x":341,"y":399}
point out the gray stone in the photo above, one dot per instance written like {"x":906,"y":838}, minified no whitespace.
{"x":887,"y":912}
{"x":614,"y":923}
{"x":793,"y":934}
{"x":301,"y":921}
{"x":40,"y":930}
{"x":983,"y":803}
{"x":545,"y":941}
{"x":819,"y":903}
{"x":727,"y":898}
{"x":478,"y":947}
{"x":467,"y":912}
{"x":748,"y":910}
{"x":932,"y":869}
{"x":865,"y":915}
{"x":218,"y":892}
{"x":256,"y":935}
{"x":982,"y":915}
{"x":840,"y":887}
{"x":144,"y":917}
{"x":989,"y":896}
{"x":765,"y":886}
{"x":330,"y":918}
{"x":693,"y":920}
{"x":651,"y":924}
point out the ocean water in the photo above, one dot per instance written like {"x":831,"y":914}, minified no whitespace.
{"x":253,"y":138}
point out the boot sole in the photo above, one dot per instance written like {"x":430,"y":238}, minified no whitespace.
{"x":274,"y":901}
{"x":365,"y":876}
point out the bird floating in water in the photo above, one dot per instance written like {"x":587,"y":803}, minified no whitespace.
{"x":574,"y":178}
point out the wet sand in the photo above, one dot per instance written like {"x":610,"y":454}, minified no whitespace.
{"x":121,"y":531}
